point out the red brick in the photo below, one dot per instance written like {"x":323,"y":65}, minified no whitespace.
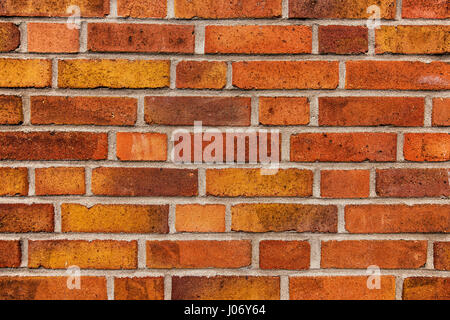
{"x":226,"y":288}
{"x":258,"y":39}
{"x":198,"y":254}
{"x":60,"y":181}
{"x":142,"y":8}
{"x":9,"y":37}
{"x":11,"y":110}
{"x":412,"y":39}
{"x":343,"y":147}
{"x":50,"y":8}
{"x":200,"y":218}
{"x":371,"y":111}
{"x":22,"y":218}
{"x":225,"y":9}
{"x":398,"y":75}
{"x":52,"y":37}
{"x":211,"y":111}
{"x":144,"y":182}
{"x":409,"y":183}
{"x":386,"y":254}
{"x":427,"y":147}
{"x":345,"y":183}
{"x":121,"y":37}
{"x":441,"y":112}
{"x":286,"y":74}
{"x":53,"y":146}
{"x":102,"y":111}
{"x":426,"y":288}
{"x":397,"y":218}
{"x":343,"y":39}
{"x":61,"y":254}
{"x":51,"y":288}
{"x":201,"y":75}
{"x":340,"y":288}
{"x":282,"y":111}
{"x":251,"y":183}
{"x":428,"y":9}
{"x":339,"y":9}
{"x":287,"y":255}
{"x":139,"y":288}
{"x":10,"y":254}
{"x":133,"y":146}
{"x":442,"y":255}
{"x":275,"y":217}
{"x":14,"y":181}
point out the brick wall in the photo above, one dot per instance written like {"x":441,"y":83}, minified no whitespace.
{"x":87,"y":116}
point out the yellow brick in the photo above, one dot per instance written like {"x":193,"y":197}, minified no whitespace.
{"x":25,"y":73}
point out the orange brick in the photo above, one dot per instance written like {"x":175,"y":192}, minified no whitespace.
{"x":413,"y":39}
{"x":200,"y":218}
{"x":287,"y":255}
{"x":225,"y":288}
{"x":340,"y":9}
{"x":441,"y":112}
{"x":258,"y":39}
{"x":344,"y":147}
{"x":286,"y":74}
{"x":50,"y":8}
{"x":119,"y":73}
{"x":102,"y":111}
{"x":343,"y":39}
{"x":142,"y":8}
{"x":428,"y":9}
{"x":442,"y":255}
{"x":250,"y":183}
{"x":114,"y":218}
{"x":10,"y":254}
{"x":141,"y":146}
{"x":61,"y":254}
{"x":386,"y":254}
{"x":51,"y":288}
{"x":371,"y":111}
{"x":201,"y":75}
{"x":53,"y":146}
{"x":11,"y":110}
{"x":409,"y":183}
{"x":397,"y":218}
{"x":340,"y":288}
{"x":9,"y":37}
{"x":274,"y":217}
{"x":52,"y":37}
{"x":139,"y":288}
{"x":426,"y":288}
{"x":427,"y":147}
{"x":22,"y":218}
{"x":132,"y":182}
{"x":14,"y":181}
{"x":282,"y":111}
{"x":397,"y":75}
{"x":60,"y":181}
{"x":198,"y":254}
{"x":345,"y":183}
{"x":25,"y":73}
{"x":124,"y":37}
{"x":225,"y":9}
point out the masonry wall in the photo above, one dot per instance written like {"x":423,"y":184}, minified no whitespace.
{"x":87,"y":116}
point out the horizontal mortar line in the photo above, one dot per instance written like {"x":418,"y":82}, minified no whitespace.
{"x":228,"y":22}
{"x":224,"y":272}
{"x":226,"y":57}
{"x":226,"y":236}
{"x":235,"y":92}
{"x":222,"y":129}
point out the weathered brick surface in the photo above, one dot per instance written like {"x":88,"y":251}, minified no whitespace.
{"x":426,"y":288}
{"x":60,"y":181}
{"x":14,"y":181}
{"x":427,"y":9}
{"x":343,"y":40}
{"x":9,"y":37}
{"x":442,"y":256}
{"x":345,"y":183}
{"x":427,"y":147}
{"x":283,"y":111}
{"x":10,"y":255}
{"x":22,"y":218}
{"x":139,"y":288}
{"x":200,"y":218}
{"x":142,"y":8}
{"x":52,"y":38}
{"x":288,"y":255}
{"x":441,"y":112}
{"x":28,"y":73}
{"x":11,"y":110}
{"x":201,"y":75}
{"x":141,"y":146}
